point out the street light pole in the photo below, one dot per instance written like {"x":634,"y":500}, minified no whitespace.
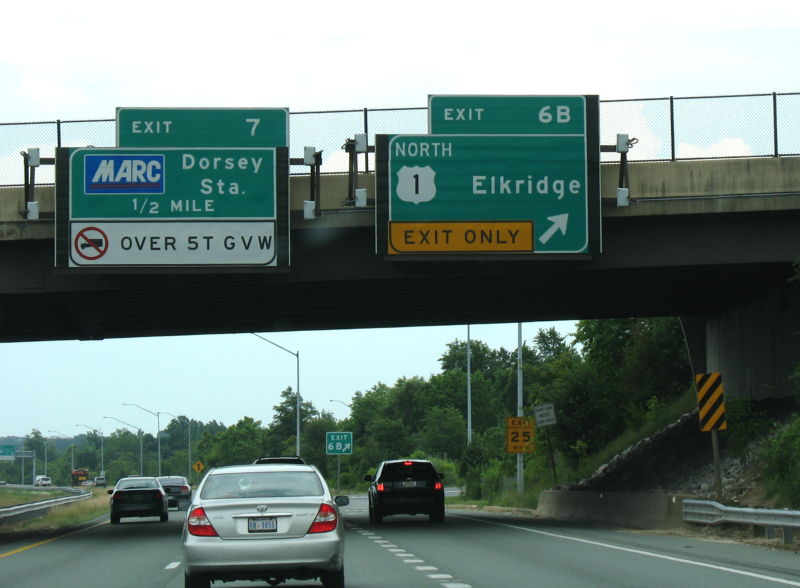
{"x":297,"y":392}
{"x":469,"y":388}
{"x":138,"y":434}
{"x":158,"y":431}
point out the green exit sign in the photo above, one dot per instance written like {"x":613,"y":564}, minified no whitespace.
{"x":507,"y":115}
{"x":202,"y":127}
{"x":339,"y":443}
{"x":488,"y":194}
{"x":7,"y":452}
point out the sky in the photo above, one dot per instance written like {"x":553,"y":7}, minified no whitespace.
{"x":82,"y":60}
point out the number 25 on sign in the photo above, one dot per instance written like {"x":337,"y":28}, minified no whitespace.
{"x":520,"y":436}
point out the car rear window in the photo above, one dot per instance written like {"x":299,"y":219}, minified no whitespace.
{"x":134,"y":484}
{"x":394,"y":472}
{"x":262,"y":485}
{"x":172,"y":481}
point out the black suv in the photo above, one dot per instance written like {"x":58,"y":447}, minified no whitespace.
{"x":406,"y":486}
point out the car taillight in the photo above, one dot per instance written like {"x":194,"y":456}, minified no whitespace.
{"x":408,"y":463}
{"x":197,"y":523}
{"x":115,"y":496}
{"x":438,"y":486}
{"x":380,"y":487}
{"x":325,"y":521}
{"x":185,"y":489}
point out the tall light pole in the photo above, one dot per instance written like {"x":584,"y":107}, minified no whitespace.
{"x":73,"y":446}
{"x":297,"y":392}
{"x":469,"y":388}
{"x":189,"y":429}
{"x":341,"y":402}
{"x":102,"y":451}
{"x":158,"y":432}
{"x":138,"y":434}
{"x":520,"y":463}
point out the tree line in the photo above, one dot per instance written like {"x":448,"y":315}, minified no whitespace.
{"x":609,"y":375}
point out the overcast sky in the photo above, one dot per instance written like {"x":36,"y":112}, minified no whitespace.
{"x":83,"y":59}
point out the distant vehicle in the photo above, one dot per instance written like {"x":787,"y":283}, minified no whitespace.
{"x":79,"y":475}
{"x":100,"y":481}
{"x":269,"y":522}
{"x":42,"y":481}
{"x":2,"y":482}
{"x":87,"y":483}
{"x":406,"y":486}
{"x":138,"y":497}
{"x":177,"y":488}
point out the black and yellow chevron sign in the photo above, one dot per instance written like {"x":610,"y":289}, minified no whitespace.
{"x":711,"y":401}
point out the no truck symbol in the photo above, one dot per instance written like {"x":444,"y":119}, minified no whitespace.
{"x":91,"y":243}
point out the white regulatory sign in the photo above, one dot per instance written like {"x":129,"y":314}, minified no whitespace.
{"x":109,"y":243}
{"x":545,"y":414}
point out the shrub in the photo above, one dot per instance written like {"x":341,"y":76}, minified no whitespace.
{"x":781,"y":459}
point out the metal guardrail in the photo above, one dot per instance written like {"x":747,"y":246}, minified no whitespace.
{"x":713,"y":513}
{"x":31,"y":508}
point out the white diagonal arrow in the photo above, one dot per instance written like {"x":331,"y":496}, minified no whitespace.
{"x":559,"y":224}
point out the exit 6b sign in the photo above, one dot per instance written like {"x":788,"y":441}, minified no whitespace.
{"x":520,"y":435}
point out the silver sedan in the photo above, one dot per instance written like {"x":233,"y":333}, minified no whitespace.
{"x":268,"y":522}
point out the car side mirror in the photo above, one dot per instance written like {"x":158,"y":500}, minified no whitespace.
{"x":342,"y":500}
{"x":111,"y":491}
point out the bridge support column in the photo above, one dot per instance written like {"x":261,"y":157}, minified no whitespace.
{"x":756,"y":347}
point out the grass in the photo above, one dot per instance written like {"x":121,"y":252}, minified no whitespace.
{"x":12,"y":496}
{"x":65,"y":516}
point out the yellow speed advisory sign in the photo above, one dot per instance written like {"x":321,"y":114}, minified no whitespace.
{"x":461,"y":237}
{"x":520,"y":435}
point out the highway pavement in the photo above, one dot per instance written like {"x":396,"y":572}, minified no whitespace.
{"x":470,"y":550}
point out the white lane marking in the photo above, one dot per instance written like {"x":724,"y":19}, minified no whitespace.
{"x":700,"y":564}
{"x":172,"y":566}
{"x":410,"y":558}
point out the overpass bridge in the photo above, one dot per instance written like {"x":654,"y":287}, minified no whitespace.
{"x":710,"y":241}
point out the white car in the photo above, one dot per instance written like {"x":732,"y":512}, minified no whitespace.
{"x":268,"y":522}
{"x":42,"y":481}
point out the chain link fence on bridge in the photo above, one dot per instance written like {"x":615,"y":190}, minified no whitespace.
{"x":667,"y":129}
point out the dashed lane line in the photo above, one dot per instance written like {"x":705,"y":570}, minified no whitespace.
{"x":431,"y":572}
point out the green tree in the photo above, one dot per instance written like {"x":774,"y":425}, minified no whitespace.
{"x":239,"y":443}
{"x":443,"y":433}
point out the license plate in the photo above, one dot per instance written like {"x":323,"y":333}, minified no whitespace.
{"x":409,"y":483}
{"x":262,"y":525}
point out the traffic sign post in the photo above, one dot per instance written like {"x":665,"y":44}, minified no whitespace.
{"x":545,"y":415}
{"x":339,"y":444}
{"x":497,"y":175}
{"x":202,"y":127}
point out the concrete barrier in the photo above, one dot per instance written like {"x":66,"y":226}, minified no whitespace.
{"x":650,"y":510}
